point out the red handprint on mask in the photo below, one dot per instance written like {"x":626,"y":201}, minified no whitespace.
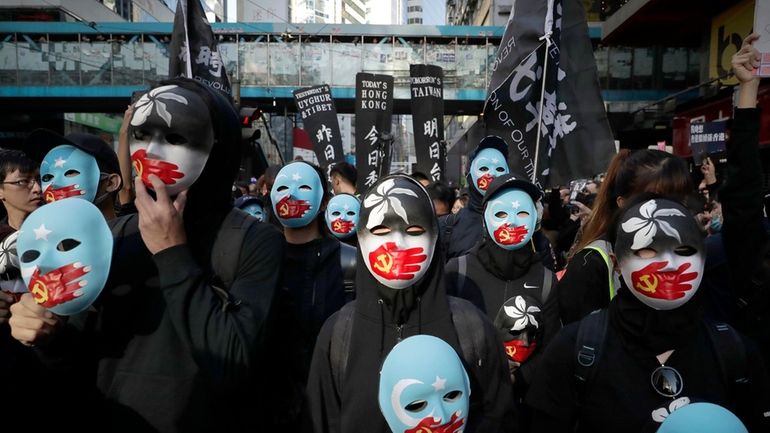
{"x":52,"y":194}
{"x":391,"y":263}
{"x":341,"y":226}
{"x":484,"y":181}
{"x":507,"y":235}
{"x":663,"y":285}
{"x":519,"y":351}
{"x":430,"y":425}
{"x":287,"y":208}
{"x":166,"y":171}
{"x":59,"y":285}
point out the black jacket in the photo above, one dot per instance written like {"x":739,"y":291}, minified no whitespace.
{"x":354,"y":408}
{"x":488,"y":290}
{"x":167,"y":356}
{"x":746,"y":242}
{"x":584,"y":286}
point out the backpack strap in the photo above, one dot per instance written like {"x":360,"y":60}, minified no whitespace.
{"x":449,"y":224}
{"x":339,"y":346}
{"x":603,"y":248}
{"x":226,"y":252}
{"x":547,"y":284}
{"x":469,"y":328}
{"x":348,"y":266}
{"x":462,"y":271}
{"x":731,"y":354}
{"x":591,"y":334}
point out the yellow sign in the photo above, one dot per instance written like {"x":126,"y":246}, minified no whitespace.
{"x":728,"y":30}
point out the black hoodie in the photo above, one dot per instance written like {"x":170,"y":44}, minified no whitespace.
{"x":354,"y":408}
{"x":167,"y":356}
{"x":494,"y":275}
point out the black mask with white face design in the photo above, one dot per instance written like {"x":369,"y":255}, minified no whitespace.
{"x":397,"y":231}
{"x":661,"y":253}
{"x":171,"y":136}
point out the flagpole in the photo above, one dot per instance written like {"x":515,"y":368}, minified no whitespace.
{"x":188,"y":60}
{"x":548,"y":27}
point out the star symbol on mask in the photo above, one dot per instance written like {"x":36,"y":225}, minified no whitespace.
{"x":41,"y":233}
{"x":515,"y":204}
{"x":296,"y":176}
{"x":495,"y":160}
{"x":439,"y":384}
{"x":346,"y":207}
{"x":59,"y":162}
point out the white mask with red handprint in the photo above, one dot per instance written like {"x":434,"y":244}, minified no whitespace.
{"x":397,"y":231}
{"x":171,"y":136}
{"x":65,"y":250}
{"x":661,"y":253}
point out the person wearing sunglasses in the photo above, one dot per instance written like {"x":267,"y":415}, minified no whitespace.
{"x":651,"y":352}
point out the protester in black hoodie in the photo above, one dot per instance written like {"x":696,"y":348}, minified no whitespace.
{"x":627,"y":367}
{"x":502,"y":275}
{"x":312,"y":283}
{"x":400,"y":292}
{"x":461,"y":231}
{"x":176,"y":339}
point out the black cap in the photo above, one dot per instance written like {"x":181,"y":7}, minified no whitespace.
{"x":512,"y":180}
{"x":41,"y":141}
{"x":491,"y":142}
{"x":245,"y":200}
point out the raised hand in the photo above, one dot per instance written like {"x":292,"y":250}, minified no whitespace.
{"x":160,"y":219}
{"x":746,"y":60}
{"x":31,"y":324}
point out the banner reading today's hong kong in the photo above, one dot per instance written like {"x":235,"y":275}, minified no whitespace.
{"x":374,"y":109}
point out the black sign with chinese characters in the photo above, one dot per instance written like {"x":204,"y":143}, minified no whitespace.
{"x":315,"y":106}
{"x":193,"y":50}
{"x":427,"y":92}
{"x":374,"y":109}
{"x":708,"y":138}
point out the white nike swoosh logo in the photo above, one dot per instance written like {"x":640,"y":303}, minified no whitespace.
{"x":527,"y":286}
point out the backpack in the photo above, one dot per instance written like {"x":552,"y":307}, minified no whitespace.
{"x":467,"y":321}
{"x":450,"y":221}
{"x":462,"y":271}
{"x":225,"y":252}
{"x":726,"y":342}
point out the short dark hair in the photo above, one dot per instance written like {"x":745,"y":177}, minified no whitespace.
{"x":346,"y":170}
{"x":441,"y":192}
{"x":418,"y":175}
{"x":12,"y":159}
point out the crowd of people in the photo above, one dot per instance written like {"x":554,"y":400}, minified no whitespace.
{"x":145,"y":290}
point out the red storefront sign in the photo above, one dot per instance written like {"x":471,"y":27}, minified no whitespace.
{"x":719,"y":109}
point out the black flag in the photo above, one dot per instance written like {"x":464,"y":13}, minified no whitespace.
{"x":315,"y":106}
{"x":550,"y":69}
{"x":374,"y":109}
{"x":427,"y":93}
{"x":193,"y":51}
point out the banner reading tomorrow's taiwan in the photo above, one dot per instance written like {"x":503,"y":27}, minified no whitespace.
{"x":427,"y":92}
{"x":374,"y":109}
{"x":193,"y":50}
{"x":315,"y":106}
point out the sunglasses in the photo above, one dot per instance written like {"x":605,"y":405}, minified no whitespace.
{"x":666,"y":381}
